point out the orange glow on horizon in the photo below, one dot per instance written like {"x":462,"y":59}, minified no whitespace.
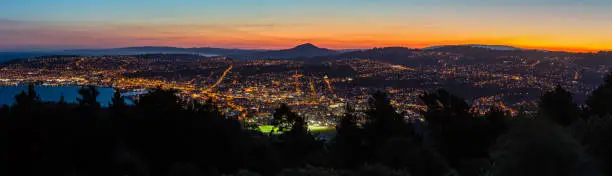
{"x":338,"y":45}
{"x":331,"y":35}
{"x":352,"y":37}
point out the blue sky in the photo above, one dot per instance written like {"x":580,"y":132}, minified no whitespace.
{"x":584,"y":22}
{"x":132,"y":10}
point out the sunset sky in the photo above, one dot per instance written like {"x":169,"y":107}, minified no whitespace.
{"x":572,"y":25}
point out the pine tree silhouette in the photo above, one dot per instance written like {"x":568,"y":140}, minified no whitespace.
{"x":284,"y":119}
{"x":383,"y":121}
{"x":600,"y":100}
{"x":558,"y":106}
{"x":456,"y":133}
{"x":29,"y":99}
{"x":348,"y":143}
{"x":62,"y":100}
{"x":89,"y":96}
{"x":117,"y":102}
{"x":296,"y":141}
{"x":23,"y":131}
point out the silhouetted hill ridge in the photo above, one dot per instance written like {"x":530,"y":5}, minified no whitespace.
{"x":162,"y":49}
{"x":396,"y":55}
{"x":300,"y":51}
{"x":491,"y":47}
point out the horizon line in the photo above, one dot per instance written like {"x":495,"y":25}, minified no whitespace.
{"x":541,"y":48}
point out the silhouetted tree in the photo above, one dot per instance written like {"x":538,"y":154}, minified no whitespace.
{"x":365,"y":170}
{"x":159,"y":100}
{"x":444,"y":108}
{"x":558,"y":106}
{"x":155,"y":128}
{"x":595,"y":134}
{"x":284,"y":119}
{"x":160,"y":134}
{"x":348,"y":143}
{"x":391,"y":140}
{"x":497,"y":119}
{"x":119,"y":114}
{"x":296,"y":141}
{"x":167,"y":130}
{"x":62,"y":100}
{"x":600,"y":100}
{"x":410,"y":155}
{"x":27,"y":99}
{"x":537,"y":148}
{"x":88,"y":98}
{"x":163,"y":134}
{"x":95,"y":141}
{"x":117,"y":102}
{"x":383,"y":121}
{"x":460,"y":136}
{"x":24,"y":134}
{"x":448,"y":119}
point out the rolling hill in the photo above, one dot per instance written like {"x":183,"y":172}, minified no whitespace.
{"x":300,"y":51}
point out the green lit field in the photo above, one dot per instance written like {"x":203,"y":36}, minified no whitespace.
{"x":266,"y":129}
{"x":323,"y":130}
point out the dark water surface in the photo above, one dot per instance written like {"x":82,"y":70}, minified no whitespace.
{"x":53,"y":94}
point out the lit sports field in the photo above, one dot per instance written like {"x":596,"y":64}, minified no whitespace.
{"x":324,"y":130}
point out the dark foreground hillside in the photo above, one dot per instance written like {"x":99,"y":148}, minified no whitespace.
{"x":162,"y":135}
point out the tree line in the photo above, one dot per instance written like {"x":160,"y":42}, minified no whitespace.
{"x":162,"y":135}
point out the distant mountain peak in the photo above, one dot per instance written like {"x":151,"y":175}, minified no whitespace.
{"x":306,"y":46}
{"x":495,"y":47}
{"x":301,"y":51}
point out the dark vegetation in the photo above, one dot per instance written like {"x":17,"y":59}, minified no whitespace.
{"x":163,"y":135}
